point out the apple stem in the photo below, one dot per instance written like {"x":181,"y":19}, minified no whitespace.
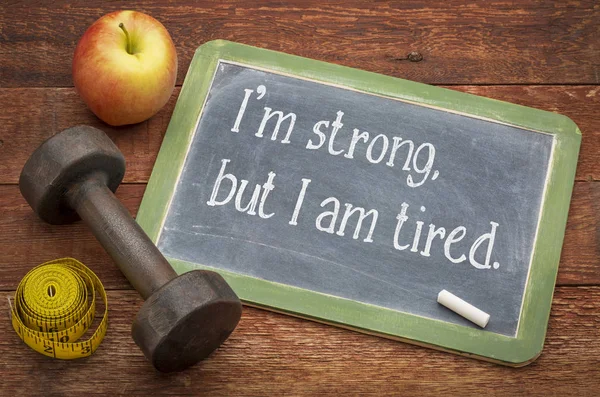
{"x":127,"y":37}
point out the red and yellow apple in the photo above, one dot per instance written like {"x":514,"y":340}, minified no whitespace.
{"x":125,"y":67}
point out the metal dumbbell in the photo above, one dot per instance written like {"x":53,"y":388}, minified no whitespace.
{"x":184,"y":318}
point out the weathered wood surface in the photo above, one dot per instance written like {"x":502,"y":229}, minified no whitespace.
{"x":271,"y":355}
{"x":540,"y":54}
{"x":461,"y":42}
{"x":28,"y":116}
{"x":25,"y":240}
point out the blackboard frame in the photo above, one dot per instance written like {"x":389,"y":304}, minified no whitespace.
{"x":513,"y":351}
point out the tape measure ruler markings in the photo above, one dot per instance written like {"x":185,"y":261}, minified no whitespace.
{"x":55,"y":305}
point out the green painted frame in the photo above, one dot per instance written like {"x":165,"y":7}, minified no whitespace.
{"x":535,"y":311}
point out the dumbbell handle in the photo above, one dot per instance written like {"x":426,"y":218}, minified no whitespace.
{"x":125,"y":241}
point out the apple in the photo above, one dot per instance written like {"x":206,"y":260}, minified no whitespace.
{"x":125,"y":67}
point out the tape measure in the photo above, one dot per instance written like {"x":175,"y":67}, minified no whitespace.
{"x":54,"y":306}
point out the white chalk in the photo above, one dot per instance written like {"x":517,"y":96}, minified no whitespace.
{"x":463,"y":308}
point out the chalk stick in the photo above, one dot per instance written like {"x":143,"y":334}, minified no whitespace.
{"x":463,"y":308}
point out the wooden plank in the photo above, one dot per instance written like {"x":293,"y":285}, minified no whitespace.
{"x":272,"y":354}
{"x":30,"y":115}
{"x":576,"y":102}
{"x":498,"y":42}
{"x":26,"y":241}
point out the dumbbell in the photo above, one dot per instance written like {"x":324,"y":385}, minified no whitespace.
{"x":184,"y":318}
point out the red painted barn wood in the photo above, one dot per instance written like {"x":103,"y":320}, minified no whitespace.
{"x":540,"y":54}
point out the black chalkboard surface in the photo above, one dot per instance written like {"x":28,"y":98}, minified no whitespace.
{"x":331,"y":201}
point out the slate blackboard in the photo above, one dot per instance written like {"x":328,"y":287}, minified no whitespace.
{"x":357,"y":196}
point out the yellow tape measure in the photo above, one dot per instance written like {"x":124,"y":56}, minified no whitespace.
{"x":55,"y":304}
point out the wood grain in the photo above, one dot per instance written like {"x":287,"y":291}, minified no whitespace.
{"x":494,"y":42}
{"x":272,"y":354}
{"x":50,"y":110}
{"x":26,"y":241}
{"x":549,"y":49}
